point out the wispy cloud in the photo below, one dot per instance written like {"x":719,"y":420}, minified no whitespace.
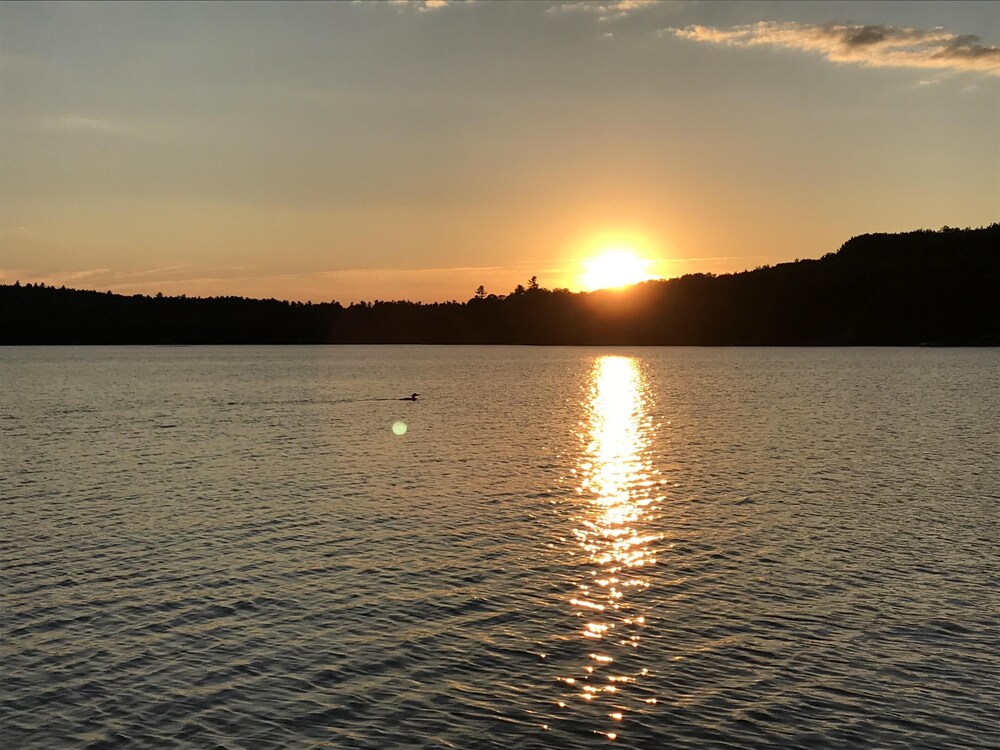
{"x":80,"y":123}
{"x":421,"y":6}
{"x":606,"y":11}
{"x":93,"y":278}
{"x":346,"y":285}
{"x":875,"y":46}
{"x":10,"y":275}
{"x":9,"y":60}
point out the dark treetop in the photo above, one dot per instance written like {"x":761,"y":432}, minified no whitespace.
{"x":924,"y":287}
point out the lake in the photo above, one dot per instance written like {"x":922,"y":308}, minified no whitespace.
{"x":241,"y":547}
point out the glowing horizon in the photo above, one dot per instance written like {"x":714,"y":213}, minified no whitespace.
{"x":614,"y":268}
{"x":417,"y":151}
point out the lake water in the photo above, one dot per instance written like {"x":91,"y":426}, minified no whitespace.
{"x":567,"y":548}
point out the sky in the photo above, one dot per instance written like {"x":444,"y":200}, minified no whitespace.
{"x":415,"y":150}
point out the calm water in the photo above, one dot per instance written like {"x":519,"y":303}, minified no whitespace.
{"x":648,"y":548}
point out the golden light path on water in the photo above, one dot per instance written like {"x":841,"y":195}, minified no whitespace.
{"x":616,"y":535}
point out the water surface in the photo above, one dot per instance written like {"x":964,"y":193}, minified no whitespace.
{"x":567,"y":548}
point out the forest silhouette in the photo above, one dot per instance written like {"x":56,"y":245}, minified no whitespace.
{"x":915,"y":288}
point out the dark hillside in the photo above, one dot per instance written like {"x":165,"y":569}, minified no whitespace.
{"x":924,"y":287}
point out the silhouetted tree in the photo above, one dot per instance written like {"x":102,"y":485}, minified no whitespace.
{"x":937,"y":287}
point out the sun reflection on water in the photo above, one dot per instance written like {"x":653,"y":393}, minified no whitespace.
{"x":616,"y":538}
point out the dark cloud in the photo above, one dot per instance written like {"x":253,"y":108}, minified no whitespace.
{"x":866,"y":35}
{"x":872,"y":45}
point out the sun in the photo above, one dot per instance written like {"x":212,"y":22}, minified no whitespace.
{"x":615,"y":267}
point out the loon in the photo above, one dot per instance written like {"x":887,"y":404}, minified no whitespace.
{"x":410,"y":398}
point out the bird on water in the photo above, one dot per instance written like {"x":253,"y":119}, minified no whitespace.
{"x":410,"y":398}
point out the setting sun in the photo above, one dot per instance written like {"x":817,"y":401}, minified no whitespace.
{"x":614,"y":268}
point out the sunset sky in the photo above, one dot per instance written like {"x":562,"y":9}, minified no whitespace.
{"x":416,"y":150}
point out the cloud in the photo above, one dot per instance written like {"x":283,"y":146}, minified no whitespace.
{"x":606,"y":11}
{"x":10,"y":275}
{"x":13,"y":60}
{"x":345,"y":285}
{"x":96,"y":278}
{"x":79,"y":123}
{"x":874,"y":46}
{"x":422,"y":6}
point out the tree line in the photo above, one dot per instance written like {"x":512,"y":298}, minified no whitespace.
{"x":924,"y":287}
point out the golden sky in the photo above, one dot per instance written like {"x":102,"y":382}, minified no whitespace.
{"x":417,"y":150}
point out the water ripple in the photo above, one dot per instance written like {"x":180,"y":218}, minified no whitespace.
{"x":229,"y":547}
